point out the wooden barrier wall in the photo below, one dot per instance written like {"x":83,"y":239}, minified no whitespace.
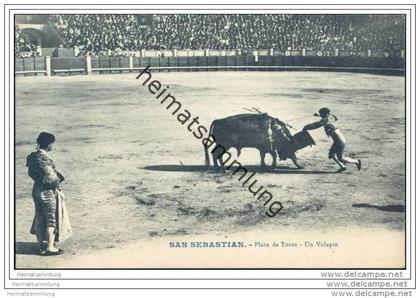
{"x":105,"y":64}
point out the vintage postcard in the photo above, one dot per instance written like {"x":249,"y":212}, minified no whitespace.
{"x":253,"y":138}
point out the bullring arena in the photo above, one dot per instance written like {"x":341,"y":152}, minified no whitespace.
{"x":135,"y":177}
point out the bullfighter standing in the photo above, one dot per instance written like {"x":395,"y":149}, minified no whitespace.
{"x":51,"y":223}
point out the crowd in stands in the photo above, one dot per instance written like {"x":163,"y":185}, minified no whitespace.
{"x":25,"y":44}
{"x":284,"y":32}
{"x":113,"y":34}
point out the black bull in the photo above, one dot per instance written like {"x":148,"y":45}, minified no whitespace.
{"x":260,"y":131}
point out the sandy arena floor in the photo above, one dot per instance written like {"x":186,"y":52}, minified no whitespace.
{"x":135,"y":174}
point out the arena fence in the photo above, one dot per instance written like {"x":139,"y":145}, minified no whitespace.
{"x":101,"y":65}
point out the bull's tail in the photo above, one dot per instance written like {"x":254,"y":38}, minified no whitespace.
{"x":206,"y":156}
{"x":206,"y":149}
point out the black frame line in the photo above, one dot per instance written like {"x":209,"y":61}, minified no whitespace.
{"x":206,"y":268}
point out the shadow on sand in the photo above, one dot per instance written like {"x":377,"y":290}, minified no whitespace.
{"x":27,"y":248}
{"x":256,"y":169}
{"x":390,"y":208}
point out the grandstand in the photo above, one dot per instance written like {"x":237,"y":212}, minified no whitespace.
{"x":101,"y":43}
{"x":117,"y":34}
